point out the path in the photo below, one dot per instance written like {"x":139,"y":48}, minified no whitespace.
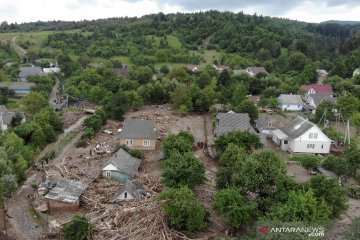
{"x":23,"y":224}
{"x":18,"y":49}
{"x":54,"y":90}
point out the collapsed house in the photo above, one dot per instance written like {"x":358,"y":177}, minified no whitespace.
{"x":65,"y":195}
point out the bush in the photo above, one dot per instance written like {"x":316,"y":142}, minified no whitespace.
{"x":183,"y":209}
{"x":307,"y":161}
{"x":82,"y":143}
{"x":89,"y":133}
{"x":354,"y":191}
{"x":136,"y":153}
{"x":353,"y":233}
{"x":338,"y":165}
{"x":79,"y":228}
{"x":357,"y":177}
{"x":181,"y":142}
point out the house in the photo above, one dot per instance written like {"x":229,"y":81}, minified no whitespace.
{"x":95,"y":65}
{"x":253,"y":71}
{"x":221,"y":68}
{"x":290,"y":102}
{"x":64,"y":196}
{"x":192,"y":68}
{"x":240,"y":71}
{"x":25,"y":72}
{"x":131,"y":190}
{"x":121,"y":72}
{"x":254,"y":98}
{"x":231,"y":121}
{"x":51,"y":70}
{"x":314,"y":100}
{"x":317,"y":89}
{"x":301,"y":136}
{"x":121,"y":166}
{"x":265,"y":125}
{"x":356,"y":72}
{"x":321,"y":75}
{"x":6,"y":118}
{"x":20,"y":89}
{"x":139,"y":134}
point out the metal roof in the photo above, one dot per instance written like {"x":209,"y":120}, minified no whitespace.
{"x":290,"y":99}
{"x":256,"y":70}
{"x":319,"y":98}
{"x":67,"y":190}
{"x":139,"y":129}
{"x":124,"y":162}
{"x":297,"y":127}
{"x":228,"y":122}
{"x":326,"y":173}
{"x":279,"y":134}
{"x":30,"y":71}
{"x":17,"y":85}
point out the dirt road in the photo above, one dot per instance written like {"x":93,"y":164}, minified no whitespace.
{"x":18,"y":49}
{"x":54,"y":90}
{"x":23,"y":224}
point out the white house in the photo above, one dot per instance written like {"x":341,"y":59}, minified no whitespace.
{"x":290,"y":102}
{"x":253,"y":71}
{"x":132,"y":190}
{"x":51,"y":70}
{"x":314,"y":101}
{"x":302,"y":136}
{"x":356,"y":72}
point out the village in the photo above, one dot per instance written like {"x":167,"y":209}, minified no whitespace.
{"x":101,"y":178}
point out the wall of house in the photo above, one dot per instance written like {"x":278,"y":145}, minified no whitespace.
{"x":118,"y":176}
{"x":291,"y":107}
{"x":121,"y":197}
{"x":63,"y":206}
{"x":139,"y":144}
{"x":283,"y":146}
{"x":276,"y":140}
{"x":322,"y":142}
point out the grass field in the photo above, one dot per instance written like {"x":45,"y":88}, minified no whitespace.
{"x":172,"y":40}
{"x":209,"y":56}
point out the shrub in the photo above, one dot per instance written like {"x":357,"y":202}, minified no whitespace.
{"x":89,"y":133}
{"x":136,"y":153}
{"x":79,"y":228}
{"x":338,"y":165}
{"x":82,"y":143}
{"x":354,"y":191}
{"x":307,"y":161}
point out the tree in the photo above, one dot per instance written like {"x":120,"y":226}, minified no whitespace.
{"x":247,"y":140}
{"x":329,"y":190}
{"x":181,"y":142}
{"x":183,"y":209}
{"x":348,"y":105}
{"x":232,"y":154}
{"x":338,"y":165}
{"x":297,"y":61}
{"x":355,"y":120}
{"x":8,"y":184}
{"x":164,"y":70}
{"x":79,"y":228}
{"x":183,"y":169}
{"x":301,"y":207}
{"x":234,"y":207}
{"x":352,"y":157}
{"x":117,"y":105}
{"x":309,"y":162}
{"x":353,"y":233}
{"x":203,"y":80}
{"x":135,"y":100}
{"x":240,"y":94}
{"x":323,"y":107}
{"x":142,"y":74}
{"x":248,"y":106}
{"x":179,"y":73}
{"x":224,"y":78}
{"x":33,"y":103}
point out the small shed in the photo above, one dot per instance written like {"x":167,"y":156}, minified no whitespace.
{"x":121,"y":166}
{"x":132,"y":190}
{"x":65,"y":195}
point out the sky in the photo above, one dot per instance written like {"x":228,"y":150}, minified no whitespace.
{"x":303,"y":10}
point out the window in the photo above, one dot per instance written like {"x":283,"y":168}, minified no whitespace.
{"x":285,"y":141}
{"x":311,"y":146}
{"x":322,"y":146}
{"x":125,"y":195}
{"x":311,"y":135}
{"x":315,"y":135}
{"x":108,"y":174}
{"x":129,"y":142}
{"x":146,"y":143}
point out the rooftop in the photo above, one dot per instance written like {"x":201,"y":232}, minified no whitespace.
{"x":297,"y":127}
{"x":132,"y":187}
{"x":17,"y":85}
{"x":139,"y":129}
{"x":29,"y":71}
{"x":256,"y":70}
{"x":290,"y":99}
{"x":228,"y":122}
{"x":319,"y":98}
{"x":121,"y":72}
{"x":124,"y":162}
{"x":66,"y":190}
{"x":319,"y":88}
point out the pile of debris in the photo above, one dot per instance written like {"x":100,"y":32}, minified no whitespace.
{"x":141,"y":219}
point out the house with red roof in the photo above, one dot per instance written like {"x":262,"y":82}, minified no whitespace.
{"x":192,"y":68}
{"x":317,"y":89}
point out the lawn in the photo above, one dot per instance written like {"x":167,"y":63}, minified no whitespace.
{"x":209,"y":56}
{"x":173,"y":41}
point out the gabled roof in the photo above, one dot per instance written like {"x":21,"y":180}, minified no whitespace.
{"x":66,"y":190}
{"x":7,"y":117}
{"x":319,"y":98}
{"x":322,"y":72}
{"x":124,"y":162}
{"x":191,"y":67}
{"x":3,"y":109}
{"x":139,"y":129}
{"x":228,"y":122}
{"x":30,"y":71}
{"x":132,"y":187}
{"x":319,"y":88}
{"x":290,"y":99}
{"x":256,"y":70}
{"x":17,"y":85}
{"x":264,"y":122}
{"x":121,"y":72}
{"x":297,"y":127}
